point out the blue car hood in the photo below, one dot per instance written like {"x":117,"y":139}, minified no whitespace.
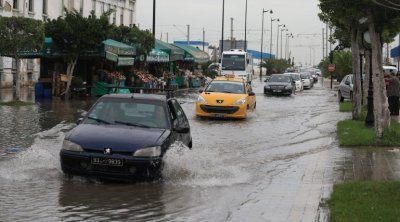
{"x":117,"y":137}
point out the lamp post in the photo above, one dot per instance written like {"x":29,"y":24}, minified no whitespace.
{"x":285,"y":29}
{"x":245,"y":28}
{"x":288,"y":35}
{"x":277,"y":39}
{"x":270,"y":46}
{"x":222,"y":36}
{"x":370,"y":119}
{"x":154,"y":18}
{"x":262,"y":35}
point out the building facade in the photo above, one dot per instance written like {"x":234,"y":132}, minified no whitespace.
{"x":124,"y":13}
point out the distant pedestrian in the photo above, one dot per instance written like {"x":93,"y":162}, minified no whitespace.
{"x":393,"y":93}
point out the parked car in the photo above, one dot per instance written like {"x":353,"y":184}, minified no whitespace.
{"x":307,"y":80}
{"x":124,"y":137}
{"x":226,"y":97}
{"x":345,"y":90}
{"x":296,"y":78}
{"x":279,"y":84}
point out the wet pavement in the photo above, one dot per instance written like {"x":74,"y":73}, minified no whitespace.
{"x":277,"y":165}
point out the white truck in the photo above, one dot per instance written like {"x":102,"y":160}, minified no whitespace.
{"x":237,"y":62}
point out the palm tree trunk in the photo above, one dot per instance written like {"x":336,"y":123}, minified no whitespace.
{"x":381,"y":111}
{"x":355,"y":49}
{"x":70,"y":71}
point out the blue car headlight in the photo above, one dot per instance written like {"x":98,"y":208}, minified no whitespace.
{"x":148,"y":152}
{"x":71,"y":146}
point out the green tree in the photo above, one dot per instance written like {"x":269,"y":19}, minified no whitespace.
{"x":17,"y":35}
{"x":275,"y":65}
{"x":142,"y":39}
{"x":76,"y":35}
{"x":355,"y":17}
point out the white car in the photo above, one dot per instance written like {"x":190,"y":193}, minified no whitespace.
{"x":296,"y":78}
{"x":306,"y":79}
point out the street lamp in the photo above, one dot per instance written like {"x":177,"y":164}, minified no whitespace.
{"x":288,"y":35}
{"x":270,"y":48}
{"x":370,"y":119}
{"x":262,"y":36}
{"x":222,"y":37}
{"x":245,"y":28}
{"x":285,"y":29}
{"x":154,"y":18}
{"x":277,"y":39}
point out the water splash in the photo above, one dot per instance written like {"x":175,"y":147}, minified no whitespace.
{"x":200,"y":167}
{"x":41,"y":160}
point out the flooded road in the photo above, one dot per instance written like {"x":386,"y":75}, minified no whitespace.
{"x":277,"y":165}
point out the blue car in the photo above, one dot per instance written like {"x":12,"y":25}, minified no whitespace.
{"x":124,"y":137}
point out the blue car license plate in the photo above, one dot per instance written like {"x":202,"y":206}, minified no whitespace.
{"x":107,"y":161}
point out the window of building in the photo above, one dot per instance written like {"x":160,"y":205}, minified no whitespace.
{"x":1,"y":3}
{"x":131,"y":18}
{"x":81,"y":7}
{"x":15,"y":4}
{"x":30,"y":5}
{"x":102,"y":7}
{"x":94,"y":6}
{"x":44,"y":11}
{"x":122,"y":16}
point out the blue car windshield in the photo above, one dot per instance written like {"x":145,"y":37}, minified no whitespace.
{"x":129,"y":113}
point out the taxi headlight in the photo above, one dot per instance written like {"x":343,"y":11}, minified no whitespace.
{"x":71,"y":146}
{"x":201,"y":100}
{"x":240,"y":101}
{"x":148,"y":152}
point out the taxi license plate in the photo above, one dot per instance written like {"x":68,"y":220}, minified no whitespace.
{"x":277,"y":90}
{"x":219,"y":115}
{"x":107,"y":161}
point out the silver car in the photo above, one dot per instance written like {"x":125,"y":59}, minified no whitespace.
{"x":345,"y":90}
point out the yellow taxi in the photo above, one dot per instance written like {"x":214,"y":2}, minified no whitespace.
{"x":226,"y":97}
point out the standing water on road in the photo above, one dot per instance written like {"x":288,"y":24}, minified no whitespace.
{"x":277,"y":165}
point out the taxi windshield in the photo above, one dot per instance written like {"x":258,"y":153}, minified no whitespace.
{"x":226,"y":87}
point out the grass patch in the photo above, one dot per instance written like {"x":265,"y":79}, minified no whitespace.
{"x":354,"y":133}
{"x":365,"y":201}
{"x":345,"y":106}
{"x":16,"y":103}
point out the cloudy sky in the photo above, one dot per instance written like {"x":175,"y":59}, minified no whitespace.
{"x":299,"y":16}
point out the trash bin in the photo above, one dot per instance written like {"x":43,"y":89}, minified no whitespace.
{"x":47,"y":93}
{"x":38,"y":90}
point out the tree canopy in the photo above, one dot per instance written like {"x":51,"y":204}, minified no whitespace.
{"x":143,"y":40}
{"x":19,"y":34}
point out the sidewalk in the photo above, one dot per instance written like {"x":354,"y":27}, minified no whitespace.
{"x":367,"y":163}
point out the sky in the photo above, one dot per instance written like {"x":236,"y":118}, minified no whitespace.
{"x":300,"y":17}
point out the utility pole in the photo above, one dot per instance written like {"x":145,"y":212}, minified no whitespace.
{"x":167,"y":37}
{"x":222,"y":37}
{"x":323,"y":43}
{"x":326,"y":40}
{"x":204,"y":38}
{"x":154,"y":18}
{"x":245,"y":29}
{"x":232,"y":29}
{"x":188,"y":34}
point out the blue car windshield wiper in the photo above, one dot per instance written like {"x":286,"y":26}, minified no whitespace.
{"x":99,"y":120}
{"x":132,"y":124}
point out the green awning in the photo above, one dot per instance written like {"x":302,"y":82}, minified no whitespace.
{"x":193,"y":54}
{"x":157,"y":55}
{"x":125,"y":61}
{"x":174,"y":52}
{"x":118,"y":48}
{"x":119,"y":52}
